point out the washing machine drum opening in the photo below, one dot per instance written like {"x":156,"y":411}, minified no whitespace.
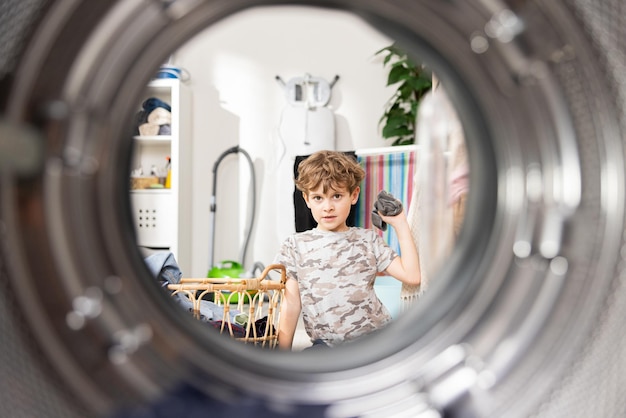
{"x":526,"y":313}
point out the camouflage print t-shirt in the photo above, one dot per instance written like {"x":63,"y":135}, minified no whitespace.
{"x":335,"y":272}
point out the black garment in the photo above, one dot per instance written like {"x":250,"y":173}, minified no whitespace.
{"x":304,"y":218}
{"x":261,"y":325}
{"x":386,"y":205}
{"x":317,"y":344}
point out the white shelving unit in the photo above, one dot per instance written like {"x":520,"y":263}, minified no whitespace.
{"x":162,"y":215}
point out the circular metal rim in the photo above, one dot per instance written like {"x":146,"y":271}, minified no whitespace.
{"x":60,"y":173}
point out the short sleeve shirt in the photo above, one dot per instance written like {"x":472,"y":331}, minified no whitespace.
{"x":336,"y":272}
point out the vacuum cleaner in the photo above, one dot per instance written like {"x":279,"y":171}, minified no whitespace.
{"x":231,"y":268}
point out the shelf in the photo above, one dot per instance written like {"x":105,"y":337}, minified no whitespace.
{"x":154,"y":139}
{"x":161,"y":216}
{"x":165,"y":83}
{"x":151,"y":191}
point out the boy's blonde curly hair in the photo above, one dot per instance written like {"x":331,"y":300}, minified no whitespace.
{"x":331,"y":169}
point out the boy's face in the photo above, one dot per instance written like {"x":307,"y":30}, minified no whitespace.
{"x":331,"y":209}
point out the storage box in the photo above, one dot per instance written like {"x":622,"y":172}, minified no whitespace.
{"x":142,"y":182}
{"x":155,"y":222}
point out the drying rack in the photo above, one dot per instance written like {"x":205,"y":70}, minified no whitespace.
{"x":259,"y":298}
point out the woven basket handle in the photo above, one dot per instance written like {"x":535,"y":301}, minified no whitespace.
{"x":278,"y":267}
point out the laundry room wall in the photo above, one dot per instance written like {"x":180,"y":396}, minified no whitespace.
{"x":237,"y":100}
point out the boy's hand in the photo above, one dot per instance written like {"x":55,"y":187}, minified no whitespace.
{"x":394,"y":220}
{"x":387,"y":206}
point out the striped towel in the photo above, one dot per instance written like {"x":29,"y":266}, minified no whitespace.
{"x":393,"y":172}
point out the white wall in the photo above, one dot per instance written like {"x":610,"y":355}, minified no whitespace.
{"x":237,"y":101}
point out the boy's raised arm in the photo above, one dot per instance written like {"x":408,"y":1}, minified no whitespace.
{"x":405,"y":268}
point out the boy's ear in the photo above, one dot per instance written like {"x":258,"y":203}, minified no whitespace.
{"x":306,"y":199}
{"x":355,"y":195}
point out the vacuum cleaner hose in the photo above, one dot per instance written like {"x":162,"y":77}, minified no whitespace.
{"x":229,"y":151}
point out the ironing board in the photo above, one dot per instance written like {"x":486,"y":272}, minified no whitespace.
{"x":262,"y":294}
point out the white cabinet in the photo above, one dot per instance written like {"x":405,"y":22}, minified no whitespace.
{"x":162,"y":215}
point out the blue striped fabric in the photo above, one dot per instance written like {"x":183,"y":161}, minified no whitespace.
{"x":390,"y":171}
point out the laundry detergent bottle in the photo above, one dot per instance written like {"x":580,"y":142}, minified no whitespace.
{"x":168,"y":178}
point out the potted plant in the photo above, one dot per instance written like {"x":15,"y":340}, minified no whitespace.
{"x":413,"y":82}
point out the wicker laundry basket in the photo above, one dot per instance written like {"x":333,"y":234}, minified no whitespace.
{"x":258,"y":299}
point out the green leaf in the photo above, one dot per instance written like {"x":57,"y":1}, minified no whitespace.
{"x":406,"y":91}
{"x":396,"y":121}
{"x":396,"y":74}
{"x":396,"y":108}
{"x":397,"y":51}
{"x":390,"y":132}
{"x":414,"y":107}
{"x":412,"y":81}
{"x":405,"y":140}
{"x":380,"y":51}
{"x":419,"y":83}
{"x":397,"y":112}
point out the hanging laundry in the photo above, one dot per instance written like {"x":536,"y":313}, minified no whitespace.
{"x":389,"y":170}
{"x":441,"y":187}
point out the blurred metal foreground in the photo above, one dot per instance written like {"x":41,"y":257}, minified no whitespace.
{"x":527,"y":321}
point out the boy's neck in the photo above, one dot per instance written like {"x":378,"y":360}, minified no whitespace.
{"x":344,"y":228}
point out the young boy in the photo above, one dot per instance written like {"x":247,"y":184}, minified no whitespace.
{"x":331,"y":269}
